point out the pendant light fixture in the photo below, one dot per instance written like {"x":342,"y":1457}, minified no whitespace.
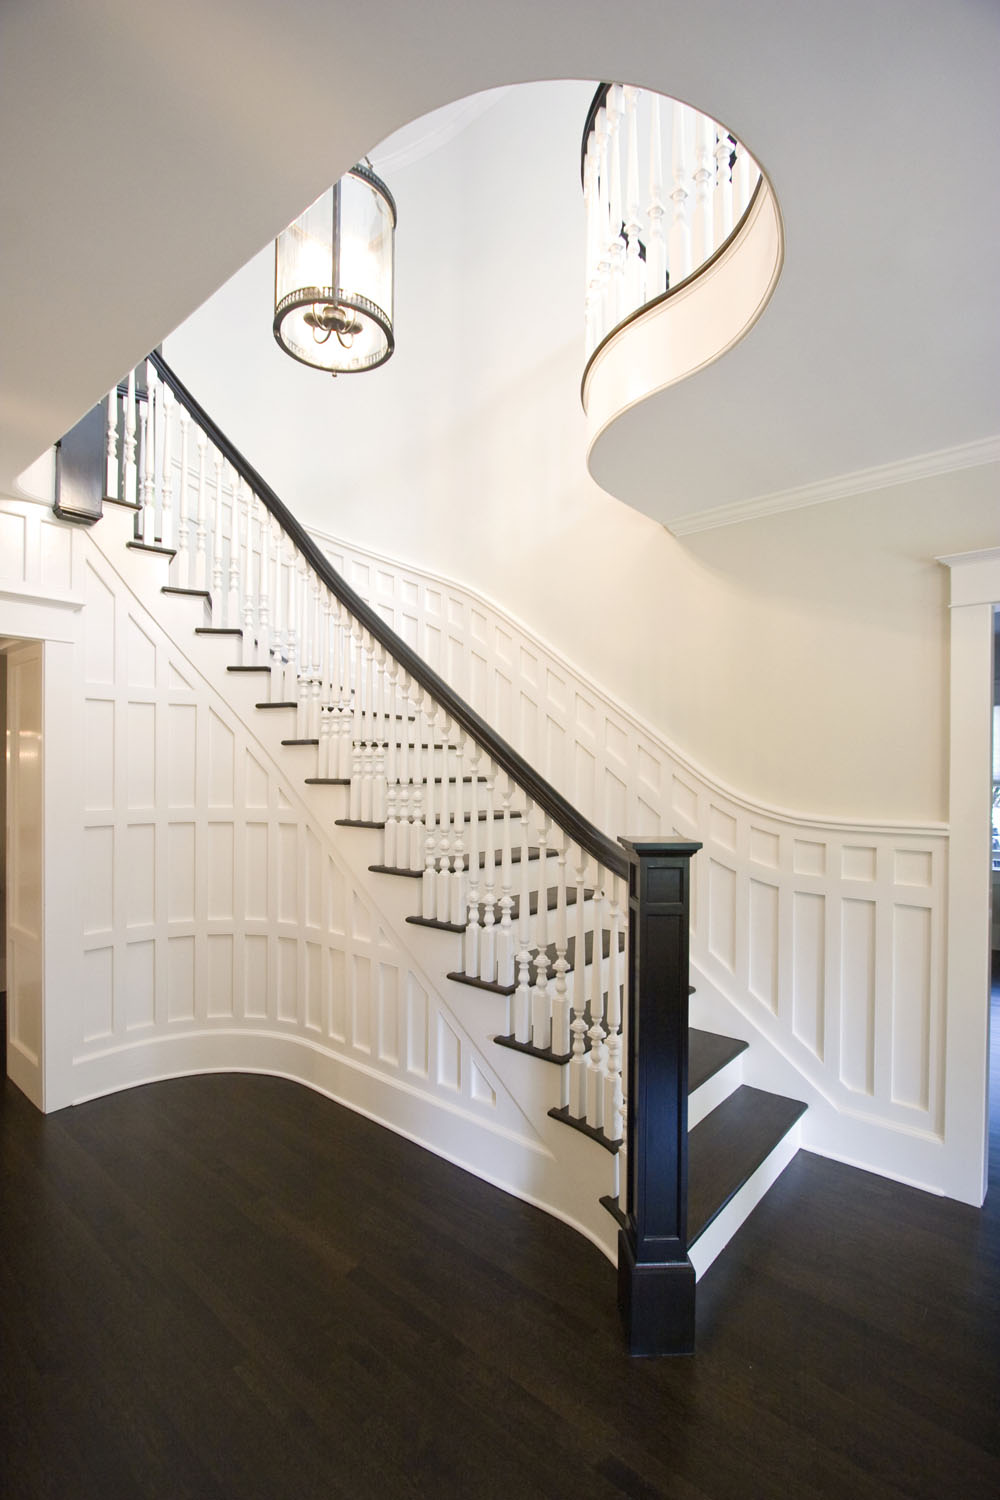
{"x":333,"y":277}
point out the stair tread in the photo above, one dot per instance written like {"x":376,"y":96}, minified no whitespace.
{"x":248,"y":669}
{"x":170,"y":588}
{"x":312,"y":742}
{"x":508,"y":989}
{"x":276,"y":705}
{"x":728,"y":1146}
{"x":153,"y":547}
{"x":708,"y":1054}
{"x":326,"y":780}
{"x":217,"y":630}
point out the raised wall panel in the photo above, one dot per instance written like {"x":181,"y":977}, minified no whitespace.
{"x":808,"y":969}
{"x":182,"y":751}
{"x":481,"y":1090}
{"x":338,"y":994}
{"x":138,"y":875}
{"x":221,"y":977}
{"x":221,"y":789}
{"x":857,"y":995}
{"x":314,"y":990}
{"x":361,"y":920}
{"x":97,"y":894}
{"x":97,"y":999}
{"x":336,"y":896}
{"x":99,"y":631}
{"x":141,"y":656}
{"x":722,"y":827}
{"x":685,"y":802}
{"x":138,"y":977}
{"x":722,"y":913}
{"x":417,"y":1028}
{"x":448,"y":1057}
{"x":140,"y":761}
{"x":361,"y":1003}
{"x":287,"y":835}
{"x":256,"y":784}
{"x":388,"y":1014}
{"x":288,"y":979}
{"x":56,"y":556}
{"x":911,"y":1005}
{"x":180,"y":978}
{"x":256,"y":844}
{"x":255,"y":981}
{"x":763,"y":942}
{"x":913,"y":867}
{"x":808,"y":857}
{"x":220,"y":872}
{"x":765,"y":848}
{"x":615,"y":803}
{"x":858,"y":862}
{"x":98,"y":754}
{"x":180,"y":872}
{"x":13,"y":557}
{"x":313,"y":879}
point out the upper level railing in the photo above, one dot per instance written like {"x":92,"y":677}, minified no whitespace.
{"x":665,"y":188}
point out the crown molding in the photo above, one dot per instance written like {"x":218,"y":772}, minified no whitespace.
{"x":842,"y":486}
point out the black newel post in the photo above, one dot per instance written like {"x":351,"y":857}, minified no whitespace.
{"x":655,"y":1276}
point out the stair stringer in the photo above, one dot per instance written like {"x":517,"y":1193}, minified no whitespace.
{"x":486,"y":1110}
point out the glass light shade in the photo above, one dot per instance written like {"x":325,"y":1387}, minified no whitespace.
{"x":333,"y":277}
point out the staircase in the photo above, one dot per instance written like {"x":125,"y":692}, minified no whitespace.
{"x":506,"y":892}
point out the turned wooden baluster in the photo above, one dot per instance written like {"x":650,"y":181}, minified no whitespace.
{"x":314,"y":700}
{"x":236,"y":531}
{"x":723,"y":204}
{"x":165,"y":401}
{"x":181,"y":565}
{"x":596,"y":1057}
{"x":634,"y":269}
{"x":264,"y":638}
{"x":577,"y":1069}
{"x":459,"y":881}
{"x":506,"y":936}
{"x":218,"y":535}
{"x":247,"y":592}
{"x":368,"y":728}
{"x":149,"y":463}
{"x":656,"y":244}
{"x":111,"y":483}
{"x":616,"y":246}
{"x":428,"y":897}
{"x":404,"y":805}
{"x":560,"y":994}
{"x":470,"y":942}
{"x":613,"y":1098}
{"x":418,"y":801}
{"x":201,"y":573}
{"x":521,"y":1008}
{"x":357,"y":725}
{"x":129,"y":475}
{"x":380,"y":733}
{"x":679,"y":243}
{"x":488,"y":937}
{"x":704,"y":172}
{"x":541,"y":1013}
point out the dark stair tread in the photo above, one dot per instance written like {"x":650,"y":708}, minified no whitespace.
{"x":169,"y":588}
{"x":275,"y":705}
{"x":218,"y":630}
{"x":153,"y":547}
{"x":728,"y":1146}
{"x":344,"y":822}
{"x":305,"y":742}
{"x":433,"y":922}
{"x":585,"y":1129}
{"x":545,"y":1054}
{"x":326,"y":781}
{"x":395,"y":870}
{"x":588,"y":954}
{"x":249,"y":669}
{"x":708,"y":1053}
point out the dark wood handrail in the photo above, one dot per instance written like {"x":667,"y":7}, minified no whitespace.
{"x":573,"y":823}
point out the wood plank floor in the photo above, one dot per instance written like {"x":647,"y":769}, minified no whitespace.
{"x":231,"y":1287}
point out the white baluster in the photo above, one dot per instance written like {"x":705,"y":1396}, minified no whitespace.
{"x":357,"y":724}
{"x":541,"y":1014}
{"x":656,"y":245}
{"x":470,"y":944}
{"x":233,"y":600}
{"x":560,"y":996}
{"x":521,"y":1018}
{"x":506,"y":937}
{"x":264,"y":594}
{"x":429,"y":878}
{"x":578,"y":1027}
{"x":149,"y":464}
{"x":488,"y":936}
{"x":616,"y":248}
{"x":279,"y":615}
{"x":182,"y":562}
{"x":458,"y":877}
{"x":613,"y":1079}
{"x":680,"y":232}
{"x":418,"y":803}
{"x":634,"y":289}
{"x":130,"y":486}
{"x":704,"y":174}
{"x":315,"y":699}
{"x":166,"y":404}
{"x":389,"y":773}
{"x":304,"y":647}
{"x":111,"y":488}
{"x":723,"y":203}
{"x":596,"y":1057}
{"x":380,"y":728}
{"x":200,"y":536}
{"x":218,"y":540}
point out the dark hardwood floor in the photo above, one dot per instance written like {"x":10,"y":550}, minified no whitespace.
{"x":231,"y":1287}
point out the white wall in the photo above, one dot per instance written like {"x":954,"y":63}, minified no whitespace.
{"x":801,"y":657}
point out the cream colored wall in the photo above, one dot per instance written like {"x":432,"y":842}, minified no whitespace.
{"x":801,"y":658}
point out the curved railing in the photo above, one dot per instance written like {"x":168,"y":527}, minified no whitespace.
{"x":648,"y":234}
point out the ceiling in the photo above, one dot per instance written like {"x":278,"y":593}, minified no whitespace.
{"x":151,"y":151}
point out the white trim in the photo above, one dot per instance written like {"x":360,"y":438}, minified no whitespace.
{"x":841,"y":487}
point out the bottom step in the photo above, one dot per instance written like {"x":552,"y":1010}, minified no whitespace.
{"x":734,"y":1156}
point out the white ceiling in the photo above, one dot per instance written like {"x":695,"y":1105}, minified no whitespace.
{"x":151,"y":151}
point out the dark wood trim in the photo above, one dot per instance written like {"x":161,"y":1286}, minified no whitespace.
{"x":655,"y":1274}
{"x":545,"y":796}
